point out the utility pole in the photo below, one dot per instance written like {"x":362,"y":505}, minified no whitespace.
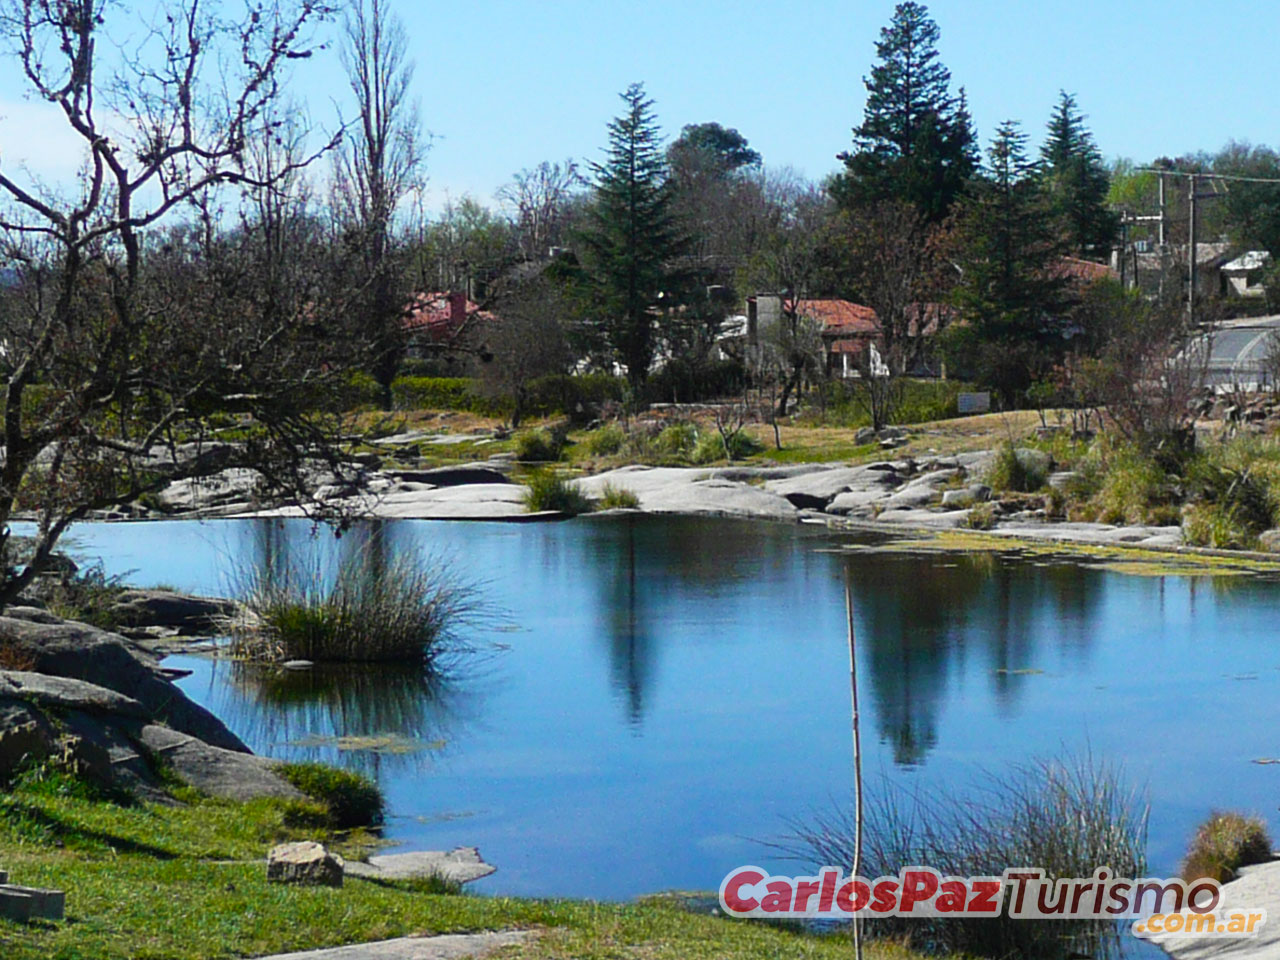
{"x":1161,"y":240}
{"x":1191,"y":250}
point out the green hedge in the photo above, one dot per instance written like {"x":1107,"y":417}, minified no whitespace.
{"x":547,"y":395}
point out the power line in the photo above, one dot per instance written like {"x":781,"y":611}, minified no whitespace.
{"x":1208,"y":176}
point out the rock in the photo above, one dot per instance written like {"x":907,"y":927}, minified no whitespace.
{"x":63,"y":693}
{"x":864,"y":436}
{"x":213,"y":494}
{"x":306,"y":862}
{"x":452,"y":476}
{"x":816,"y":489}
{"x":85,"y":759}
{"x":24,"y":734}
{"x":980,"y":492}
{"x":957,"y":498}
{"x":297,"y":665}
{"x":76,"y":651}
{"x":460,"y":865}
{"x":920,"y":491}
{"x":1269,"y":541}
{"x":1035,"y":461}
{"x":856,"y":502}
{"x":1062,"y":479}
{"x":164,"y":608}
{"x":683,"y":490}
{"x":213,"y":770}
{"x":925,"y":518}
{"x":893,"y":433}
{"x":31,"y":903}
{"x":454,"y":946}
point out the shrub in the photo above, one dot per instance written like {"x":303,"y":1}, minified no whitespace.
{"x":88,"y":595}
{"x":1066,"y":816}
{"x":1216,"y":525}
{"x":549,"y":490}
{"x":1021,"y":469}
{"x":606,"y":441}
{"x":538,"y":446}
{"x":352,"y":800}
{"x":404,"y":609}
{"x":618,"y":498}
{"x":981,"y":517}
{"x":712,"y":447}
{"x":1223,"y":844}
{"x":1131,"y":485}
{"x":676,"y":440}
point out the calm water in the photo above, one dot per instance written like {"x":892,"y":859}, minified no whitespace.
{"x":669,"y":692}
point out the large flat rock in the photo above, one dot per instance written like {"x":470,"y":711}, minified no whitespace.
{"x":449,"y":947}
{"x":691,"y":491}
{"x":1257,"y":886}
{"x":217,"y":772}
{"x":1100,"y":533}
{"x":460,"y":865}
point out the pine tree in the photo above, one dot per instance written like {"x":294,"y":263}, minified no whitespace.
{"x":1010,"y":295}
{"x":1077,"y":182}
{"x":916,"y":142}
{"x":631,"y":237}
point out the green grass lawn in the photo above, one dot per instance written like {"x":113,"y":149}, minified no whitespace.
{"x":145,"y":882}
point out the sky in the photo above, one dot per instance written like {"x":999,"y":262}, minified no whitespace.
{"x":505,"y":84}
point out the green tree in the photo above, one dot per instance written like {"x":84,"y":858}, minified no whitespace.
{"x":916,"y":143}
{"x":1011,"y":298}
{"x":1251,"y":210}
{"x":631,"y":239}
{"x":703,"y":145}
{"x":1078,"y":182}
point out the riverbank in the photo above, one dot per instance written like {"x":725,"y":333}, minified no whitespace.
{"x":147,"y":881}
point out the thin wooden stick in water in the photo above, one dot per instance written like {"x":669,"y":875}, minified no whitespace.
{"x":857,"y":754}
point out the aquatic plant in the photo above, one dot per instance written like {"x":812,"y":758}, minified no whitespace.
{"x":1068,"y":816}
{"x":375,"y":608}
{"x":618,"y":498}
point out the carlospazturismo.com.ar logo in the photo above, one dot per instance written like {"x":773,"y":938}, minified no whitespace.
{"x":1154,"y":906}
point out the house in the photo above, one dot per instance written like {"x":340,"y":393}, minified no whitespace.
{"x":1242,"y":277}
{"x":1152,"y":270}
{"x":441,"y":320}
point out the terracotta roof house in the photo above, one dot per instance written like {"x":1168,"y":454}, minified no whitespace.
{"x":442,"y":319}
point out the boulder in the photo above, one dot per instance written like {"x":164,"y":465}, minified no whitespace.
{"x":76,"y":651}
{"x":1062,"y":479}
{"x":306,"y":862}
{"x":213,"y":770}
{"x":864,"y":436}
{"x":24,"y":734}
{"x":856,"y":503}
{"x":164,"y":608}
{"x":63,"y":694}
{"x":957,"y":498}
{"x":979,"y":491}
{"x":1269,"y":541}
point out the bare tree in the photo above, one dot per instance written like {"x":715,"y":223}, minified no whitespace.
{"x":523,"y":341}
{"x":539,"y":203}
{"x":124,"y":336}
{"x":379,"y":166}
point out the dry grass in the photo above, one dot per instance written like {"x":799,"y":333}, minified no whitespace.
{"x":1223,"y":844}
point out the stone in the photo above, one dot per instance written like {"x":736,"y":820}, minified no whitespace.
{"x":957,"y":498}
{"x":64,"y":693}
{"x":454,"y":946}
{"x":684,"y":490}
{"x":85,"y":758}
{"x":31,"y":903}
{"x":115,"y":668}
{"x":306,"y":862}
{"x":21,"y":739}
{"x":893,"y":433}
{"x":221,"y":773}
{"x":980,"y":492}
{"x":459,"y":865}
{"x":864,"y":436}
{"x":165,"y":608}
{"x":297,"y":665}
{"x":1269,"y":541}
{"x":453,"y":476}
{"x":1061,"y":479}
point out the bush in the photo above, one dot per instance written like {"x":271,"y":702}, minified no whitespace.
{"x":403,"y":609}
{"x":1020,"y":469}
{"x":538,"y":446}
{"x":445,"y":393}
{"x":1067,"y":816}
{"x":711,"y":446}
{"x":352,"y":800}
{"x":618,"y":498}
{"x":981,"y":517}
{"x":1223,"y":844}
{"x":1131,"y":486}
{"x":606,"y":441}
{"x":1216,"y":525}
{"x":548,"y":490}
{"x":676,"y":440}
{"x":88,"y":596}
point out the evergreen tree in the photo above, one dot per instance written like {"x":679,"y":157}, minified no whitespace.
{"x":916,"y":142}
{"x":631,"y":238}
{"x":1077,"y":182}
{"x":1010,"y":295}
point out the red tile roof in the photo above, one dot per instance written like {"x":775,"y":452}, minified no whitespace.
{"x":1086,"y":271}
{"x":841,"y":317}
{"x":441,"y":314}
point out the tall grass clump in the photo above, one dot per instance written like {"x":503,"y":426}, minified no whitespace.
{"x":737,"y":445}
{"x":374,"y":609}
{"x":548,"y":490}
{"x":352,"y":799}
{"x":606,"y":441}
{"x":1223,"y":844}
{"x":676,"y":440}
{"x":538,"y":446}
{"x":618,"y":498}
{"x":1069,"y":816}
{"x":1019,"y":470}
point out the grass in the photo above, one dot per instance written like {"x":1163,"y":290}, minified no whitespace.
{"x":618,"y":498}
{"x":403,"y":608}
{"x":150,"y":882}
{"x":549,"y":490}
{"x":538,"y":446}
{"x":1067,"y":816}
{"x":605,"y":441}
{"x":1016,"y":469}
{"x":981,"y":517}
{"x":351,"y":799}
{"x":1223,"y":844}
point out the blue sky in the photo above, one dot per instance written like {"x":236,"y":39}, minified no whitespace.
{"x":505,"y":84}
